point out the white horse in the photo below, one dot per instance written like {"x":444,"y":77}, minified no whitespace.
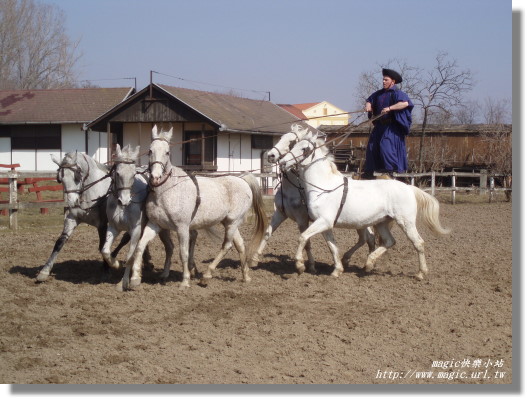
{"x":184,"y":203}
{"x":290,"y":200}
{"x":86,"y":183}
{"x":369,"y":203}
{"x":125,"y":208}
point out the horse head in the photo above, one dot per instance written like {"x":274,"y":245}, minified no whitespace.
{"x":304,"y":152}
{"x":159,"y":157}
{"x":288,"y":140}
{"x":72,"y":176}
{"x":123,"y":173}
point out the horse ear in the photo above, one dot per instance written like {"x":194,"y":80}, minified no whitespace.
{"x":136,"y":152}
{"x":117,"y":150}
{"x":155,"y":135}
{"x":74,"y":157}
{"x":55,"y":159}
{"x":168,"y":135}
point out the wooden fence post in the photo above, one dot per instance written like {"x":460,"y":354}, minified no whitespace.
{"x":13,"y":199}
{"x":453,"y":188}
{"x":482,"y":181}
{"x":433,"y":183}
{"x":491,"y":189}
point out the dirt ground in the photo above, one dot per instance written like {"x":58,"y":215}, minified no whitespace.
{"x":376,"y":328}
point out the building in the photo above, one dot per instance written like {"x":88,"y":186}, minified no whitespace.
{"x":446,"y":147}
{"x":211,"y":131}
{"x":318,"y":114}
{"x":37,"y":123}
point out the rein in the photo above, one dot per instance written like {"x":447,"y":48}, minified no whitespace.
{"x":345,"y":182}
{"x":76,"y":169}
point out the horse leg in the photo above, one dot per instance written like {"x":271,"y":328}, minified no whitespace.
{"x":276,"y":220}
{"x":111,"y":233}
{"x":191,"y":246}
{"x":70,"y":224}
{"x":419,"y":245}
{"x":125,"y":240}
{"x":226,"y":246}
{"x":330,"y":240}
{"x":183,"y":233}
{"x":387,"y":241}
{"x":166,"y":239}
{"x":147,"y":259}
{"x":363,"y":238}
{"x":237,"y":239}
{"x":102,"y":239}
{"x":135,"y":236}
{"x":133,"y":265}
{"x":303,"y":224}
{"x":318,"y":226}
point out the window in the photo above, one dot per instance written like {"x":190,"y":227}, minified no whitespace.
{"x":34,"y":137}
{"x":200,"y":148}
{"x":261,"y":142}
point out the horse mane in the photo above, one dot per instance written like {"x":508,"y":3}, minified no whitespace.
{"x":68,"y":160}
{"x":320,"y":143}
{"x":127,"y":155}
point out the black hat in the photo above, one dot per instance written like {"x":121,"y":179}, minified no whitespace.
{"x":392,"y":74}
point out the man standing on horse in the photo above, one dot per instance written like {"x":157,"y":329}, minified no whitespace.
{"x":391,"y":110}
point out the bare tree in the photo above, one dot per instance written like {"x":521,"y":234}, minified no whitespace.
{"x":35,"y":51}
{"x":442,"y":88}
{"x":467,"y":113}
{"x":496,"y":111}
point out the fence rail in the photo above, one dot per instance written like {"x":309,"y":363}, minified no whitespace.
{"x":486,"y":185}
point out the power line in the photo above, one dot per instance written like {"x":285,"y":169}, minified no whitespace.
{"x":216,"y":85}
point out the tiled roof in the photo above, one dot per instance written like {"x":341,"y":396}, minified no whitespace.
{"x":58,"y":105}
{"x":292,"y":109}
{"x":303,"y":107}
{"x":233,"y":113}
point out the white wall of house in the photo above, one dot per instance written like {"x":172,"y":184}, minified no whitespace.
{"x":98,"y":146}
{"x":235,"y":153}
{"x":73,"y":138}
{"x":26,"y":159}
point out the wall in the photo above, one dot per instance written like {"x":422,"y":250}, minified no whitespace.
{"x":317,"y":112}
{"x":235,"y":153}
{"x":141,"y":134}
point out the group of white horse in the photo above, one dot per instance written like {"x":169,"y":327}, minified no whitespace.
{"x":148,"y":201}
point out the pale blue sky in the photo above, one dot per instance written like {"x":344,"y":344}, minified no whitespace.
{"x":299,"y":50}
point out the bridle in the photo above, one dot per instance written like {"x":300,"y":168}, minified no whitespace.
{"x":77,"y":171}
{"x":114,"y":180}
{"x":165,"y":167}
{"x":291,"y":145}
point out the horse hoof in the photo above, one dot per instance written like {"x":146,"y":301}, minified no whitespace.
{"x":135,"y":283}
{"x":120,"y":287}
{"x":368,"y":268}
{"x":300,"y":267}
{"x":419,"y":276}
{"x":336,"y":273}
{"x":42,"y":277}
{"x":184,"y":285}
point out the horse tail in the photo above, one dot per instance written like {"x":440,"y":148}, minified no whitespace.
{"x":428,"y":209}
{"x":260,"y":217}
